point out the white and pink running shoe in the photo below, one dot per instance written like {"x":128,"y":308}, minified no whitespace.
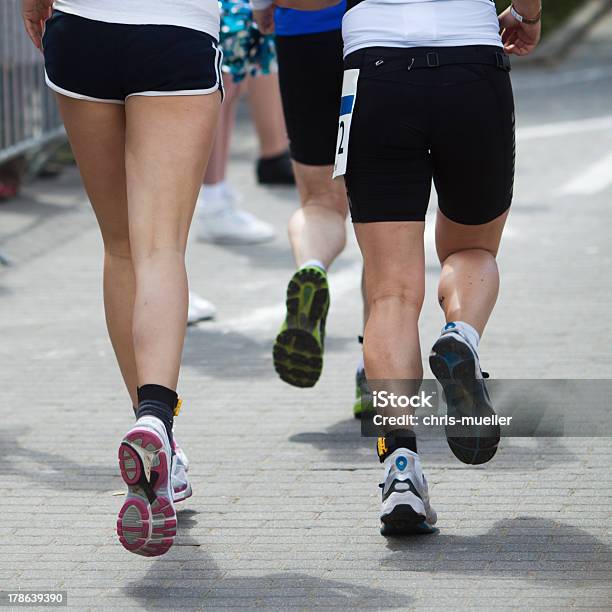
{"x":181,"y":486}
{"x":147,"y":521}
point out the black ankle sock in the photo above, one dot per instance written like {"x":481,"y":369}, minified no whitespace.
{"x":276,"y":158}
{"x":157,"y":401}
{"x":276,"y":170}
{"x":398,"y":438}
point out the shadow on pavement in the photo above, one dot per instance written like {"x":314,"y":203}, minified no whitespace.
{"x":45,"y":203}
{"x":208,"y":585}
{"x":344,"y":436}
{"x":230,"y":354}
{"x":523,"y":547}
{"x":52,"y":470}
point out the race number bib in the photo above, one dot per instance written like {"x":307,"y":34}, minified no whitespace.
{"x":349,"y":96}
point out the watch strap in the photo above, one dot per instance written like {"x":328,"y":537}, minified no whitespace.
{"x":525,"y":20}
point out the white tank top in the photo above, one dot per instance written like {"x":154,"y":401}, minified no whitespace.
{"x":420,"y":23}
{"x":202,"y":15}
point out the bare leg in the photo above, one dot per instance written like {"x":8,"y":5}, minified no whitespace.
{"x":267,"y":113}
{"x":217,"y":165}
{"x":365,"y":300}
{"x":394,"y":275}
{"x":317,"y":230}
{"x":168,"y":141}
{"x":469,"y":281}
{"x":394,"y":264}
{"x":97,"y":136}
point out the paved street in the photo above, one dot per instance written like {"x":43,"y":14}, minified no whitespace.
{"x":285,"y":505}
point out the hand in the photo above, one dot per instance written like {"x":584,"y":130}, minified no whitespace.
{"x":35,"y":13}
{"x":518,"y":38}
{"x":265,"y":19}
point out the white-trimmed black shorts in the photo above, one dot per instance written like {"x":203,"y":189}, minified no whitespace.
{"x":109,"y":62}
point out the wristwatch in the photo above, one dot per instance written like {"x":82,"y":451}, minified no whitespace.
{"x":525,"y":20}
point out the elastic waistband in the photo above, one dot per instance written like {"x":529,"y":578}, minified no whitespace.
{"x":385,"y":59}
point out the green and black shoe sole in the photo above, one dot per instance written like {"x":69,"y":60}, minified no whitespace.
{"x":363,"y":408}
{"x":298,"y":349}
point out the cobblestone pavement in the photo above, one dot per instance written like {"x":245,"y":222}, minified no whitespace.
{"x":284,"y":512}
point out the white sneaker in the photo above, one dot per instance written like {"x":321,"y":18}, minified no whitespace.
{"x":199,"y":309}
{"x":219,"y":221}
{"x":181,"y":487}
{"x":405,"y":495}
{"x":147,"y":521}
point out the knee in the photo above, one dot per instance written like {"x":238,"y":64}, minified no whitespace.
{"x":155,"y":255}
{"x":327,"y":203}
{"x":406,"y":298}
{"x":158,"y":244}
{"x":317,"y":188}
{"x":118,"y":247}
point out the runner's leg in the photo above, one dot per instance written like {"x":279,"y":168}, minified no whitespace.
{"x":219,"y":217}
{"x":469,"y":283}
{"x":469,"y":280}
{"x":317,"y":230}
{"x":267,"y":113}
{"x":97,"y":136}
{"x":168,"y":141}
{"x":394,"y":264}
{"x":473,"y":148}
{"x":217,"y":165}
{"x":395,"y":284}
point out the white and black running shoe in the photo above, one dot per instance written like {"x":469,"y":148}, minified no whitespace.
{"x":405,"y":496}
{"x":455,"y":364}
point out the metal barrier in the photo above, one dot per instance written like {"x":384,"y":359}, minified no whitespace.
{"x":28,"y":114}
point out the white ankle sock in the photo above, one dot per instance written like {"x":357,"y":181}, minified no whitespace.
{"x":314,"y":262}
{"x":214,"y":191}
{"x":467,"y":330}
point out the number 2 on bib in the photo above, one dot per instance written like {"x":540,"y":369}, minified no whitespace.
{"x":347,"y":105}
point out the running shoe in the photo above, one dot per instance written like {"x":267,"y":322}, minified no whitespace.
{"x":181,"y":487}
{"x":220,"y":221}
{"x":298,"y":350}
{"x":363,"y":406}
{"x":199,"y":309}
{"x":405,"y":496}
{"x":455,"y":364}
{"x":147,"y":521}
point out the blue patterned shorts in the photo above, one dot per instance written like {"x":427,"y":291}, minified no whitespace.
{"x":246,"y":51}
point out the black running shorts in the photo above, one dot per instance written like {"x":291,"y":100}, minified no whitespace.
{"x":418,"y":117}
{"x":109,"y":62}
{"x":310,"y":74}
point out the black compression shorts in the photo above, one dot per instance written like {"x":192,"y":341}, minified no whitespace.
{"x":109,"y":62}
{"x":310,"y":74}
{"x":450,"y":122}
